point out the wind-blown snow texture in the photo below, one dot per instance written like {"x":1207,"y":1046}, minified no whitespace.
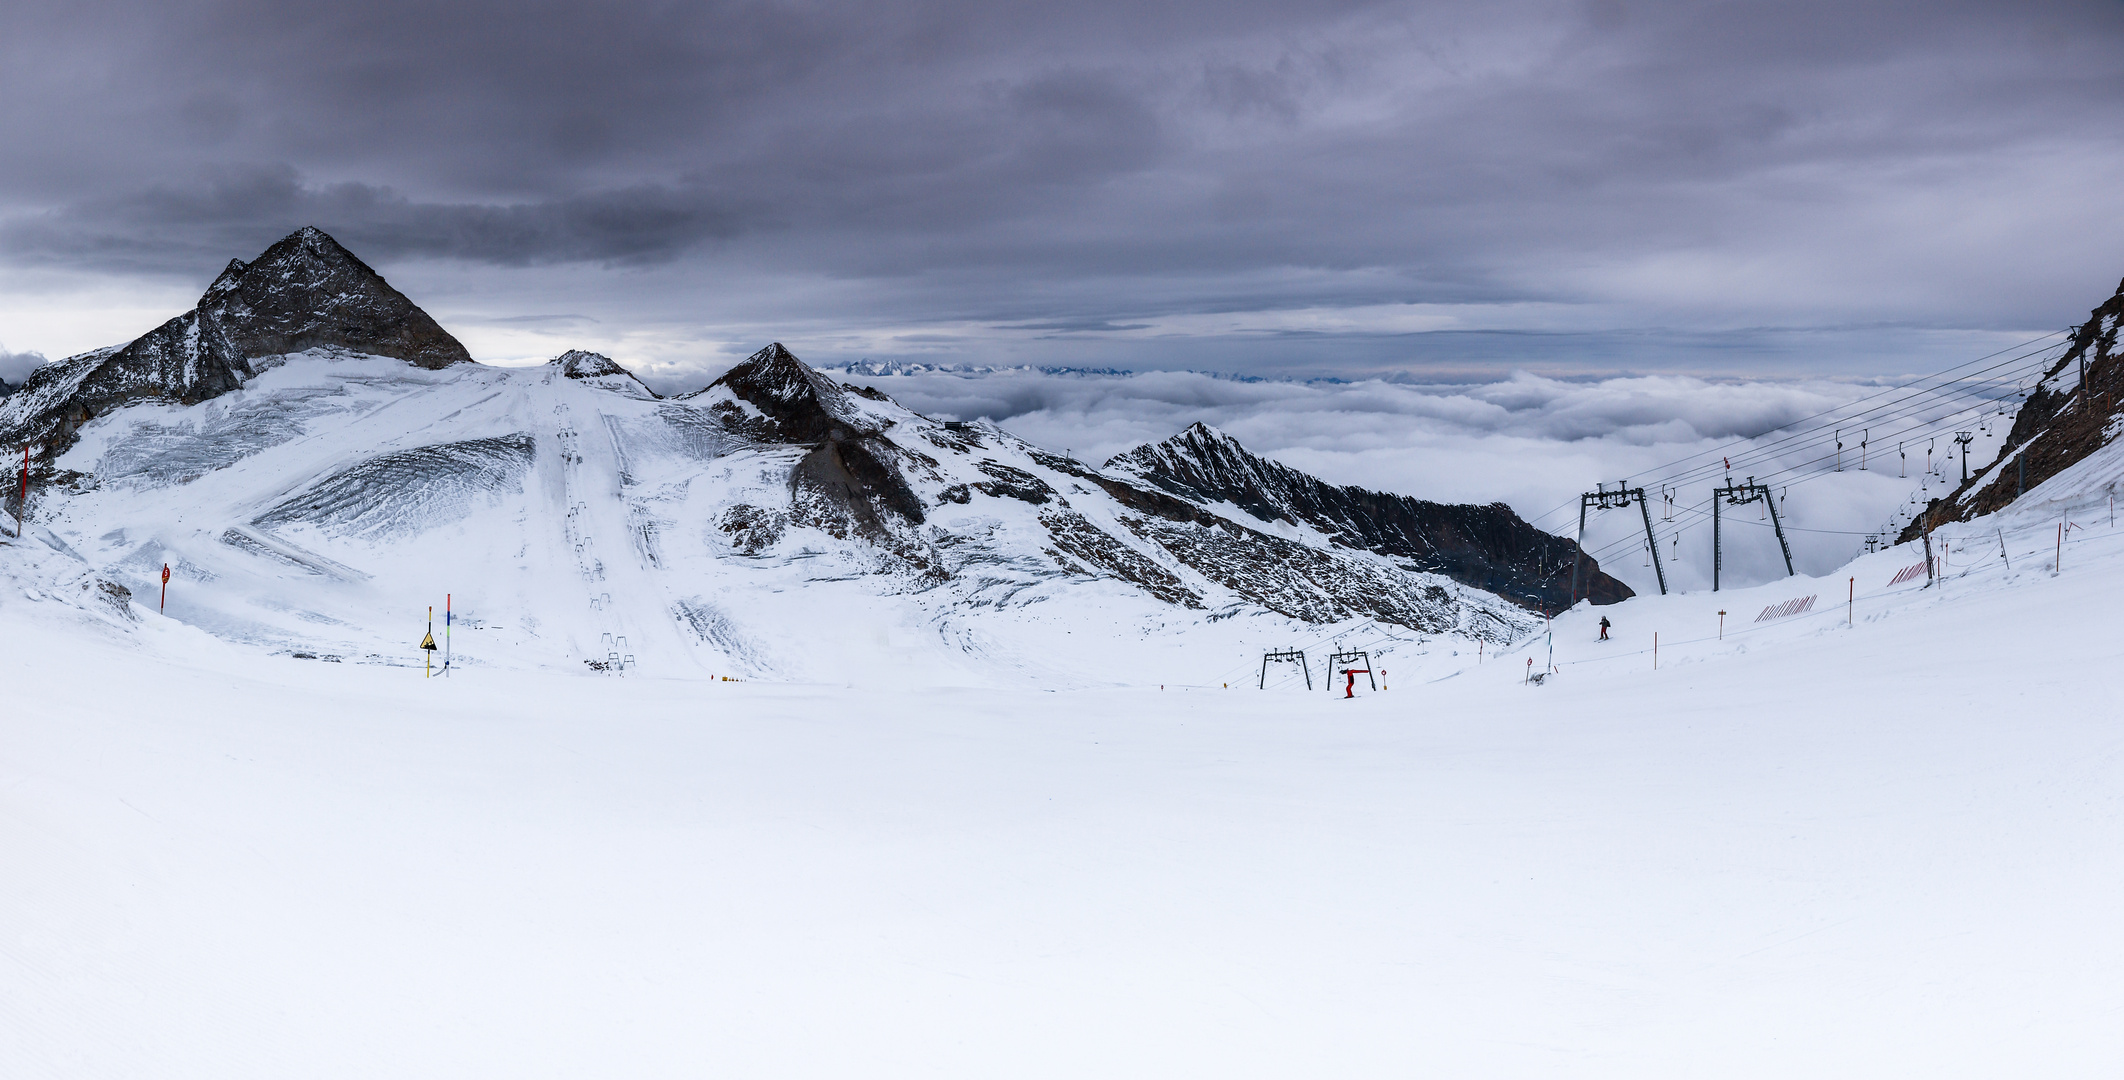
{"x":1811,"y":847}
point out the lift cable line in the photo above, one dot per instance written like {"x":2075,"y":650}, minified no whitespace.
{"x":1923,"y":402}
{"x":1948,"y":390}
{"x":1811,"y":468}
{"x":1822,"y":465}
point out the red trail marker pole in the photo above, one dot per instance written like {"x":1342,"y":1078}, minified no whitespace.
{"x":165,"y":588}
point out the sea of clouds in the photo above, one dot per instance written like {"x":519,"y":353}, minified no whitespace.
{"x":1530,"y":441}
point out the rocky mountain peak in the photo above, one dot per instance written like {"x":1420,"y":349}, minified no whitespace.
{"x":800,"y":404}
{"x":1202,"y":462}
{"x":306,"y":290}
{"x":303,"y":292}
{"x":774,"y":374}
{"x":583,"y":364}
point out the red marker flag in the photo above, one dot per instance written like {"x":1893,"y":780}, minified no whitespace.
{"x":165,"y":588}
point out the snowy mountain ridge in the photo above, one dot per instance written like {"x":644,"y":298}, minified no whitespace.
{"x":1489,"y":547}
{"x":775,"y":523}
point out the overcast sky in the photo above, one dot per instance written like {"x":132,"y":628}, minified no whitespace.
{"x":1327,"y":188}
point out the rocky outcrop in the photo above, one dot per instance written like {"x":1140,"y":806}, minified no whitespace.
{"x":851,"y":483}
{"x":600,"y":370}
{"x":788,"y":401}
{"x":1488,"y":547}
{"x":2070,"y":414}
{"x":304,"y":292}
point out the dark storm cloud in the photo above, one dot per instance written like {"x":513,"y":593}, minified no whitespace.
{"x":244,"y":209}
{"x":1093,"y":168}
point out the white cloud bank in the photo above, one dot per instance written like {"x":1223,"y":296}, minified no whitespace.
{"x":1532,"y":442}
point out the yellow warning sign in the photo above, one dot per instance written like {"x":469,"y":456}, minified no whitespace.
{"x":429,"y":641}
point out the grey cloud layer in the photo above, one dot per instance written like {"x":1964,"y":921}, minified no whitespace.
{"x":1093,"y":169}
{"x":16,"y":366}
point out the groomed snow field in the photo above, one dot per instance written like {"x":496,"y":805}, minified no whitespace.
{"x":1870,"y":840}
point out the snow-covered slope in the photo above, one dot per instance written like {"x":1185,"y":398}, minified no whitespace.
{"x":318,"y":463}
{"x":1003,"y":800}
{"x":775,"y":524}
{"x":1871,"y":841}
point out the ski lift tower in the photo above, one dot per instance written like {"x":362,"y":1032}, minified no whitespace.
{"x":1619,"y":499}
{"x":1351,"y":664}
{"x":1285,"y":656}
{"x":1741,"y":495}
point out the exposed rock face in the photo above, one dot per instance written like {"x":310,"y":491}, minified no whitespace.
{"x":600,"y":369}
{"x":307,"y":291}
{"x":304,"y":292}
{"x":2068,"y":416}
{"x":793,"y":402}
{"x":851,"y":483}
{"x":1488,"y":547}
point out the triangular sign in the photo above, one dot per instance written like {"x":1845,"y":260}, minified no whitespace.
{"x":429,"y":641}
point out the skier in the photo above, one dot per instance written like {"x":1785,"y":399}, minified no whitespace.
{"x":1604,"y":628}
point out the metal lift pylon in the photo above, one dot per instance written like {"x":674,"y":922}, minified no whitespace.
{"x":1288,"y":656}
{"x":1741,"y":495}
{"x":1619,"y":499}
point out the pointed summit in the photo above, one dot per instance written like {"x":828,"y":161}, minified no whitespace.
{"x":1204,"y":462}
{"x":801,"y":404}
{"x":304,"y":292}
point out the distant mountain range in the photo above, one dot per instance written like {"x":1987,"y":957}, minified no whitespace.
{"x":308,"y":437}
